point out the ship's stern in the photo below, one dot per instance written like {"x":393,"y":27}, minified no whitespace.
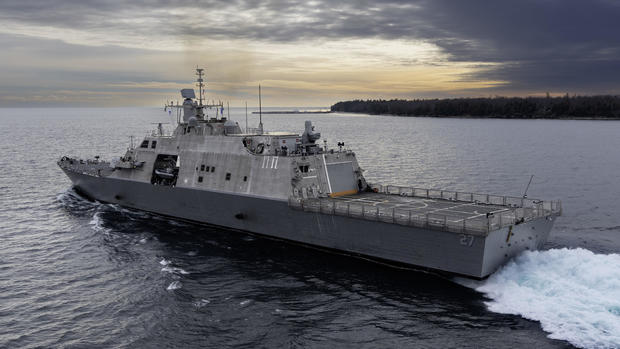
{"x":506,"y":243}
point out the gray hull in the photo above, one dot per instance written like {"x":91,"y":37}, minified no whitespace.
{"x":469,"y":255}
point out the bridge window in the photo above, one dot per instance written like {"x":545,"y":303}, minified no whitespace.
{"x":212,"y":168}
{"x":145,"y":144}
{"x":228,"y":176}
{"x":153,"y":144}
{"x":202,"y":167}
{"x":245,"y":178}
{"x":200,"y":179}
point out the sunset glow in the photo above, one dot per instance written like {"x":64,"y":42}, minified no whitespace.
{"x":312,"y":54}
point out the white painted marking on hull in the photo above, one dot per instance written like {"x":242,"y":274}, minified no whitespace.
{"x":329,"y":185}
{"x":250,"y":178}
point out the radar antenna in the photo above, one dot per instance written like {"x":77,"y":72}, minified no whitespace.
{"x":200,"y":80}
{"x":189,"y":95}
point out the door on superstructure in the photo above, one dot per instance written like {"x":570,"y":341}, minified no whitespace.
{"x":342,"y":179}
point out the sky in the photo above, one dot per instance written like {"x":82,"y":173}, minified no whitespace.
{"x":303,"y":52}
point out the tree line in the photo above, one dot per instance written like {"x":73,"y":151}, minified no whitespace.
{"x":603,"y":107}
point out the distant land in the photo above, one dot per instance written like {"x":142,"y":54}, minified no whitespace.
{"x":567,"y":107}
{"x":293,"y":112}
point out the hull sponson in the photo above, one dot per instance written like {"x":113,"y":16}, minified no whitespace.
{"x":445,"y":251}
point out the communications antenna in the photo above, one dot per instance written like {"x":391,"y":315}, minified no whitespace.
{"x":200,"y":80}
{"x":528,"y":187}
{"x":260,"y":111}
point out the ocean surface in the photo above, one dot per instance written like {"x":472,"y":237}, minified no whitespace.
{"x":82,"y":274}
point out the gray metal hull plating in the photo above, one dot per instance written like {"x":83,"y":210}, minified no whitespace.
{"x":474,"y":256}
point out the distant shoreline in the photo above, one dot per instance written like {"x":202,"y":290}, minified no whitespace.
{"x":294,"y":112}
{"x":490,"y":117}
{"x":553,"y":108}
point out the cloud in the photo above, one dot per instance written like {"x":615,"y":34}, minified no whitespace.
{"x":568,"y":45}
{"x":529,"y":46}
{"x":499,"y":28}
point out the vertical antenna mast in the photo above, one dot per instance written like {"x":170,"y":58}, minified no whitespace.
{"x":246,"y":116}
{"x":228,"y":109}
{"x":260,"y":111}
{"x":200,"y":84}
{"x":528,"y":187}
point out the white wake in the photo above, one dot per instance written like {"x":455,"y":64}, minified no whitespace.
{"x":97,"y":223}
{"x":574,"y":293}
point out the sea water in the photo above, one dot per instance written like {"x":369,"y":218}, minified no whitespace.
{"x":76,"y":273}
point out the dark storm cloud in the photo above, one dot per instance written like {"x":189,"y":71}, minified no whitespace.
{"x":540,"y":45}
{"x":561,"y":46}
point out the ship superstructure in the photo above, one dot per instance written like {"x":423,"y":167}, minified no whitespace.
{"x":288,"y":186}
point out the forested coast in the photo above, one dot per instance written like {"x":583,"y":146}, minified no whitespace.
{"x":566,"y":107}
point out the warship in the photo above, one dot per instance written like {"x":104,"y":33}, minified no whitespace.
{"x":286,"y":185}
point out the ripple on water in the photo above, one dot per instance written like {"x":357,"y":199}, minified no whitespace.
{"x":174,"y":285}
{"x":80,"y":273}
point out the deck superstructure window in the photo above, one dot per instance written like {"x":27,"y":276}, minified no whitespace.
{"x":145,"y":144}
{"x":199,"y":179}
{"x":202,"y":167}
{"x":212,"y":168}
{"x":228,"y":176}
{"x":245,"y":178}
{"x":153,"y":144}
{"x":304,"y":168}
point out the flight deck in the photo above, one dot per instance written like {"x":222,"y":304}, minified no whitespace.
{"x":451,"y":211}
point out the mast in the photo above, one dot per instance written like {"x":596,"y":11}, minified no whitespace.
{"x":199,"y":72}
{"x":260,"y":111}
{"x":528,"y":187}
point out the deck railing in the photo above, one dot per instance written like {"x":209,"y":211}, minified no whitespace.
{"x":252,"y":130}
{"x":487,"y":199}
{"x":157,"y":133}
{"x":517,"y":210}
